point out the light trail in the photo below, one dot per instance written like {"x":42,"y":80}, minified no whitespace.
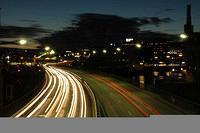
{"x":37,"y":98}
{"x":63,"y":95}
{"x":40,"y":105}
{"x":81,"y":90}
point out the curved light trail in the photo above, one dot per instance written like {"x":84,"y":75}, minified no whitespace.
{"x":63,"y":95}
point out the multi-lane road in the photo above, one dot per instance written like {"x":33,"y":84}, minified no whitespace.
{"x":63,"y":95}
{"x":117,"y":98}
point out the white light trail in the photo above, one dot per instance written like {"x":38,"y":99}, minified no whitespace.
{"x":32,"y":103}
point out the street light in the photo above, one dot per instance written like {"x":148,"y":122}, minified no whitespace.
{"x":52,"y":52}
{"x":138,"y":45}
{"x":118,"y":49}
{"x":94,"y":52}
{"x":47,"y":48}
{"x":183,"y":36}
{"x":22,"y":42}
{"x":104,"y":51}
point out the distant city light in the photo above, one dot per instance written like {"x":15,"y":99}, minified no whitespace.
{"x":156,"y":57}
{"x":77,"y":56}
{"x":183,"y":36}
{"x":112,"y":44}
{"x":129,"y":39}
{"x":104,"y":51}
{"x":118,"y":49}
{"x":180,"y":55}
{"x":8,"y":57}
{"x":155,"y":74}
{"x":94,"y":52}
{"x":85,"y":53}
{"x":168,"y":74}
{"x":22,"y":58}
{"x":53,"y":58}
{"x":22,"y":42}
{"x":168,"y":56}
{"x":52,"y":52}
{"x":47,"y":48}
{"x":141,"y":63}
{"x":161,"y":62}
{"x":47,"y":58}
{"x":138,"y":45}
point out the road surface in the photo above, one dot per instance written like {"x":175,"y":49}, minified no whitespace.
{"x":117,"y":98}
{"x":63,"y":95}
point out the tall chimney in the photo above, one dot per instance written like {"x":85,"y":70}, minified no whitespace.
{"x":188,"y":28}
{"x":0,"y":18}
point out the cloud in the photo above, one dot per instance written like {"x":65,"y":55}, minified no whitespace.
{"x":28,"y":20}
{"x":157,"y":21}
{"x":19,"y":46}
{"x":151,"y":35}
{"x":169,"y":9}
{"x":136,"y":21}
{"x":15,"y":31}
{"x":98,"y":30}
{"x":152,"y":21}
{"x":13,"y":43}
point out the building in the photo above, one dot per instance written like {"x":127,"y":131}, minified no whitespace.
{"x":188,"y":28}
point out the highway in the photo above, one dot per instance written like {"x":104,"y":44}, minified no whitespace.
{"x":63,"y":95}
{"x":116,"y":98}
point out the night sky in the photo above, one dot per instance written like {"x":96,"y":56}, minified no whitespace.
{"x":57,"y":14}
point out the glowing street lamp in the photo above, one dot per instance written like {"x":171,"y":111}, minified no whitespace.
{"x":22,"y":42}
{"x":94,"y":52}
{"x":183,"y":36}
{"x":118,"y":49}
{"x":104,"y":51}
{"x":52,"y":52}
{"x":138,"y":45}
{"x":47,"y":48}
{"x":156,"y":57}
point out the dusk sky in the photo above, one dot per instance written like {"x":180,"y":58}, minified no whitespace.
{"x":57,"y":14}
